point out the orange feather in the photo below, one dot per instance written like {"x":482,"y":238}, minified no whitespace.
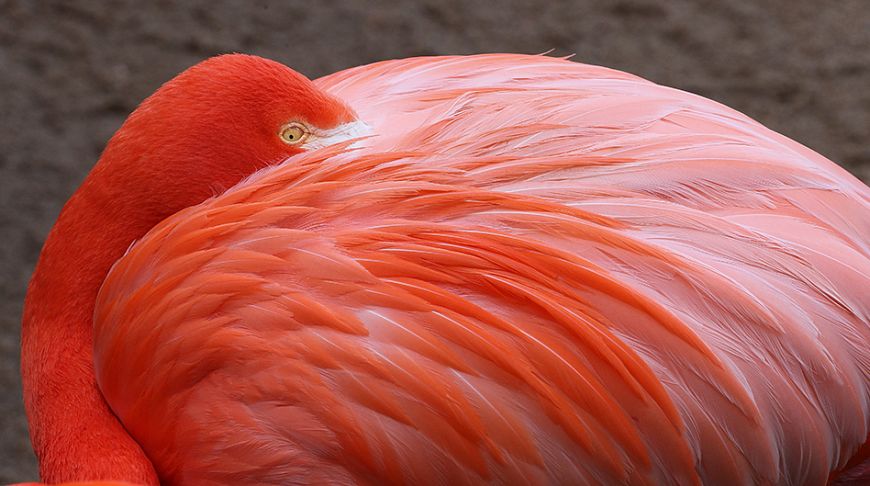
{"x":531,"y":271}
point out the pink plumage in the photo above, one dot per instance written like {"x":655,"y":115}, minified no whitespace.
{"x":529,"y":270}
{"x":533,"y":271}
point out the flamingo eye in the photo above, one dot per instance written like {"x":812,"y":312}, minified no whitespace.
{"x":294,"y":133}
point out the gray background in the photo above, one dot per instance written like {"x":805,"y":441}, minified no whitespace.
{"x":71,"y":71}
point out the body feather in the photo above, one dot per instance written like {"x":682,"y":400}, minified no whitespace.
{"x":534,"y":271}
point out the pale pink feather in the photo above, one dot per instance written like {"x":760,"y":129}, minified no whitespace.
{"x":534,"y":271}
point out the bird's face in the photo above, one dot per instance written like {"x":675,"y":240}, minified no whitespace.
{"x":278,"y":111}
{"x":217,"y":123}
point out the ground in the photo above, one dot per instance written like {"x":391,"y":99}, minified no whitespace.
{"x":71,"y":71}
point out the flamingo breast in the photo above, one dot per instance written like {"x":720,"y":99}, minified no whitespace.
{"x":534,"y":271}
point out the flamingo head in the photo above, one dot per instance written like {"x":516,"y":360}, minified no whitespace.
{"x":215,"y":124}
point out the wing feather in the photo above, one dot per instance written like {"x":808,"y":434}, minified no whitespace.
{"x":537,"y":271}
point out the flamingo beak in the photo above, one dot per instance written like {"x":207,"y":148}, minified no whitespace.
{"x":341,"y":133}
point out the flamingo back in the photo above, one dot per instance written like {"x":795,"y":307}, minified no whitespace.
{"x":533,"y":271}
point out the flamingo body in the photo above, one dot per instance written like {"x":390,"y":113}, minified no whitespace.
{"x":536,"y":271}
{"x":533,"y":271}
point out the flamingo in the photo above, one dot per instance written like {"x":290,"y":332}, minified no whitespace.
{"x":471,"y":269}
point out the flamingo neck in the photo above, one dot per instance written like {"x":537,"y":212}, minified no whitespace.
{"x":74,"y":433}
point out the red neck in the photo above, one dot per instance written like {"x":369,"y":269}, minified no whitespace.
{"x":74,"y":433}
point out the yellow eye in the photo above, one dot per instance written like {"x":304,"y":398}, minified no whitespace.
{"x":294,"y":133}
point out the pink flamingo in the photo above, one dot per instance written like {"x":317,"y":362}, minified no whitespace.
{"x":496,"y":268}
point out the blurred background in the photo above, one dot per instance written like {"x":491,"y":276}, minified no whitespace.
{"x":71,"y":71}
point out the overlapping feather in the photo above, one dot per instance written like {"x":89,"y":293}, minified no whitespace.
{"x":535,"y":271}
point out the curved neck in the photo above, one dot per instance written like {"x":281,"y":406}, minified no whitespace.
{"x":74,"y":433}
